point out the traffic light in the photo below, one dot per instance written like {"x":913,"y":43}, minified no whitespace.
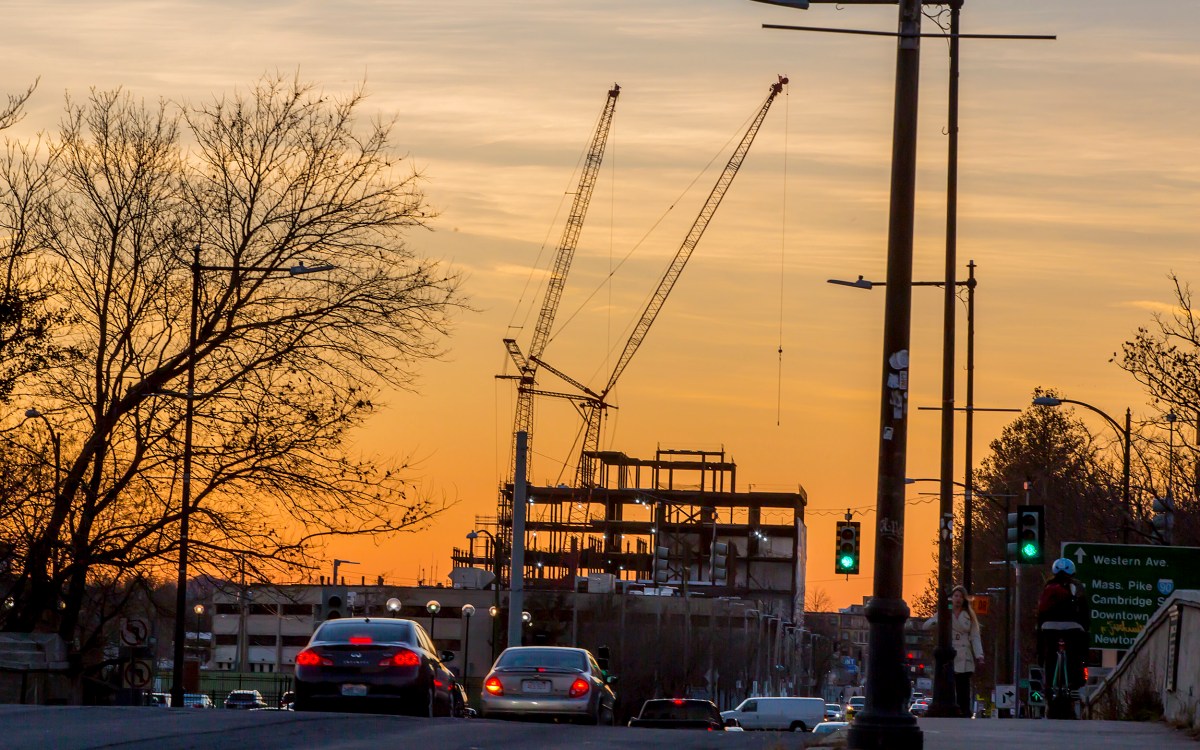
{"x":847,"y":548}
{"x":720,"y":563}
{"x":662,"y":563}
{"x":1027,"y":535}
{"x":1037,"y":689}
{"x":334,"y":601}
{"x":1164,"y":519}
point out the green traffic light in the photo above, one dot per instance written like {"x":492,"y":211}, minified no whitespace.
{"x":1029,"y":550}
{"x":846,"y":561}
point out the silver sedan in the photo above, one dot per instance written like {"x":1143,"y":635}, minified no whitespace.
{"x":549,"y":682}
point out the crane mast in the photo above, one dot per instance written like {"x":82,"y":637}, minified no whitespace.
{"x":527,"y":365}
{"x":594,"y":408}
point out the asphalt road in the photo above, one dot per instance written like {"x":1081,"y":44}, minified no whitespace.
{"x":92,"y":728}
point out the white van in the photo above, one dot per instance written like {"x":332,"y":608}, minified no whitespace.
{"x":778,"y":714}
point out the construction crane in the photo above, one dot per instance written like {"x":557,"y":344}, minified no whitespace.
{"x":594,"y":405}
{"x":527,"y":365}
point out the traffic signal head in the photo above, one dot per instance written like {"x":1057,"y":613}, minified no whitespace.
{"x":1027,"y":535}
{"x":847,"y":548}
{"x":720,"y":563}
{"x":662,"y":563}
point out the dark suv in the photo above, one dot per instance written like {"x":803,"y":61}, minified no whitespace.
{"x":245,"y":699}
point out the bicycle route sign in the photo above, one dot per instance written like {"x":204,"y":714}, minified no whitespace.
{"x":1127,"y":583}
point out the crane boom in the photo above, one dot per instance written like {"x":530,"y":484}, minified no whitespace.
{"x":595,"y":408}
{"x":523,"y":420}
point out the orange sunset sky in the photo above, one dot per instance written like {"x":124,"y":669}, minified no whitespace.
{"x":1079,"y":193}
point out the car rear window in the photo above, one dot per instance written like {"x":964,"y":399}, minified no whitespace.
{"x":378,"y":631}
{"x":543,"y":657}
{"x":659,"y":710}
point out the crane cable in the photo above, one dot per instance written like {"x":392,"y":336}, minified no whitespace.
{"x":782,"y":257}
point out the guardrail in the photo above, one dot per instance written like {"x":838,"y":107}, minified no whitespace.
{"x":1159,"y":677}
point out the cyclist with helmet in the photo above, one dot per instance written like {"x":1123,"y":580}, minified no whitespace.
{"x":1063,"y":615}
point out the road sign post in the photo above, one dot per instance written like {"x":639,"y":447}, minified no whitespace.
{"x":1127,"y":583}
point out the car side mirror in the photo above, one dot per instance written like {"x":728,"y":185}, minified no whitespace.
{"x":731,"y":722}
{"x":446,"y":656}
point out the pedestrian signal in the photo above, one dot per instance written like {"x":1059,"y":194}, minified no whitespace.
{"x":848,"y":552}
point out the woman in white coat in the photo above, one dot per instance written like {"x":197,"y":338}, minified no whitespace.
{"x":968,"y":649}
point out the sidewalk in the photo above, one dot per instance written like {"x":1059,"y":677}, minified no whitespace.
{"x":1042,"y":734}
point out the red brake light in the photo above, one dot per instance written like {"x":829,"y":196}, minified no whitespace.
{"x":402,"y":658}
{"x":1085,"y":674}
{"x":493,"y":686}
{"x":578,"y":688}
{"x":678,"y":701}
{"x":361,"y":640}
{"x":310,"y":658}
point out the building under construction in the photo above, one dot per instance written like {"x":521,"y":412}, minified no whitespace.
{"x":674,"y":524}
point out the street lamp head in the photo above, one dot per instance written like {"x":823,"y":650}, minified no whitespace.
{"x":300,"y":269}
{"x":468,"y":610}
{"x":472,"y":535}
{"x":801,"y":4}
{"x":1047,"y":401}
{"x":198,"y":609}
{"x":393,"y":605}
{"x":433,"y":607}
{"x":526,"y":618}
{"x":32,"y":412}
{"x":493,"y":610}
{"x":859,"y":283}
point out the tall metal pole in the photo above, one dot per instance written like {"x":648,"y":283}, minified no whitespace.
{"x":968,"y":460}
{"x":177,"y":690}
{"x":885,"y":721}
{"x":1125,"y":477}
{"x":944,"y":703}
{"x":516,"y":596}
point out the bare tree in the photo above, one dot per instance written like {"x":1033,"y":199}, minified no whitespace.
{"x":1165,"y":359}
{"x":817,"y":600}
{"x":285,"y":367}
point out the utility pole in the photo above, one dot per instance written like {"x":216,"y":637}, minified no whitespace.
{"x":943,"y":703}
{"x":885,"y":720}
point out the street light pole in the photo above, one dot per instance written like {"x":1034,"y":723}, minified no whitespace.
{"x":496,"y":566}
{"x":944,"y":701}
{"x":1126,"y":440}
{"x":189,"y":396}
{"x":177,"y":689}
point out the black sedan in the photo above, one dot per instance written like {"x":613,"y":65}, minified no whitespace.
{"x":380,"y":665}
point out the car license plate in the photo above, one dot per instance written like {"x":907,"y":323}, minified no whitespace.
{"x":535,"y":686}
{"x":356,"y":691}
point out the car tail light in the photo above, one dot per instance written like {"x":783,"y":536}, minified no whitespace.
{"x":678,"y":701}
{"x":493,"y":686}
{"x":579,"y":687}
{"x":310,"y":658}
{"x":361,"y":640}
{"x":402,"y":658}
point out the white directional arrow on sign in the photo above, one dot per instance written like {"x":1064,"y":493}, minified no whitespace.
{"x":1080,"y":556}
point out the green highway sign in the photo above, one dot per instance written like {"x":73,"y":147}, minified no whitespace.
{"x":1126,"y":584}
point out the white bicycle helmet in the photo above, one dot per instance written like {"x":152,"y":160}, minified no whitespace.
{"x":1063,"y":565}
